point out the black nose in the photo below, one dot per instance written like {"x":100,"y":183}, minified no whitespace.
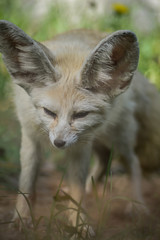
{"x":59,"y":143}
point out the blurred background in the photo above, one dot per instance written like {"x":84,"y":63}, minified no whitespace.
{"x":42,"y":19}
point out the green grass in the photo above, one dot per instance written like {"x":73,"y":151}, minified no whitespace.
{"x":56,"y":226}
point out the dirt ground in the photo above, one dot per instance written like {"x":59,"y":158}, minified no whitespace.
{"x":116,"y":223}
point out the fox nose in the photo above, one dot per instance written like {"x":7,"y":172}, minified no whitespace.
{"x":59,"y":143}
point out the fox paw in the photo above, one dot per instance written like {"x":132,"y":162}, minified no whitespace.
{"x":83,"y":232}
{"x":87,"y":232}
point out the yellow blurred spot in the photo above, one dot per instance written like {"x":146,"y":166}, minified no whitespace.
{"x":120,"y":8}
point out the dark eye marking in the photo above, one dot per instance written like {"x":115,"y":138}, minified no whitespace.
{"x":50,"y":113}
{"x":80,"y":115}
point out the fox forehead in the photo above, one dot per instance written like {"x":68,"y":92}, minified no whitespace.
{"x":65,"y":96}
{"x":69,"y":58}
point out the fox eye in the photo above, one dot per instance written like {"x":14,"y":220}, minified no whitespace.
{"x":80,"y":115}
{"x":50,"y":113}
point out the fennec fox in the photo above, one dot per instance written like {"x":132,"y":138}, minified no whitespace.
{"x":70,"y":89}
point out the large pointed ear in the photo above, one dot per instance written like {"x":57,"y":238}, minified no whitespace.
{"x":110,"y":67}
{"x":28,"y":62}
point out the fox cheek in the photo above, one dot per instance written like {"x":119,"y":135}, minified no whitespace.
{"x":53,"y":124}
{"x":51,"y":137}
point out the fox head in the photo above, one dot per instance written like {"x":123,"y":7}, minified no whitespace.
{"x":72,"y":85}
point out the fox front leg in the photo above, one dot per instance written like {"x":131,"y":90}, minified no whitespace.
{"x":78,"y":165}
{"x":30,"y":160}
{"x":102,"y":154}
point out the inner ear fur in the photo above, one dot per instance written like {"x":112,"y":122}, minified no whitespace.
{"x":110,"y":67}
{"x":27,"y":61}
